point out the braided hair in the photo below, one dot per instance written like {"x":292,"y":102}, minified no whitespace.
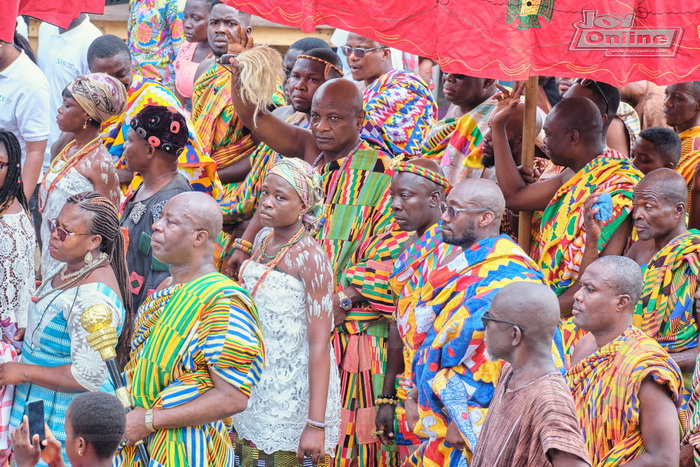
{"x":105,"y":223}
{"x":13,"y":187}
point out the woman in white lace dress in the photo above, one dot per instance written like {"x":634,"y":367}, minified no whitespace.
{"x":293,"y":414}
{"x":17,"y":242}
{"x":57,"y":362}
{"x":84,"y":164}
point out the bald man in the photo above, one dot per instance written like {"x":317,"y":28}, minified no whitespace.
{"x":453,"y":381}
{"x":417,"y":194}
{"x":197,"y":348}
{"x":532,"y":420}
{"x":397,"y":103}
{"x":625,"y":386}
{"x":573,"y":139}
{"x":356,"y":210}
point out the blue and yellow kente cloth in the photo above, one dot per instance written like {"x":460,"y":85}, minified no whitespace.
{"x":400,"y":103}
{"x":454,"y":378}
{"x":185,"y":333}
{"x":194,"y":163}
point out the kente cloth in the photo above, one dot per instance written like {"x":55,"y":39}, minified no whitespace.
{"x":454,"y":379}
{"x":409,"y":284}
{"x":605,"y":386}
{"x":145,"y":271}
{"x":523,"y":425}
{"x":183,"y":334}
{"x":99,"y":95}
{"x":155,"y":34}
{"x":690,"y":153}
{"x":401,"y":105}
{"x":629,"y":117}
{"x":666,"y":309}
{"x":563,"y":233}
{"x":692,"y":420}
{"x":194,"y":163}
{"x":455,"y":144}
{"x":247,"y":453}
{"x":243,"y":203}
{"x":356,"y":209}
{"x":215,"y":120}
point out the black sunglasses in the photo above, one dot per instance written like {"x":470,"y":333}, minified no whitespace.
{"x":586,"y":83}
{"x":485,"y":318}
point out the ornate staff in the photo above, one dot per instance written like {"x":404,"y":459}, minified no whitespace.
{"x":102,"y":336}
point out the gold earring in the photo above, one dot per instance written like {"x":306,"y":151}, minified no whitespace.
{"x":88,"y":257}
{"x":86,"y":122}
{"x":80,"y":453}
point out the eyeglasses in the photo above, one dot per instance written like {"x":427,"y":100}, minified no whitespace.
{"x":453,"y":211}
{"x":586,"y":83}
{"x":485,"y":318}
{"x":62,"y":233}
{"x":358,"y":51}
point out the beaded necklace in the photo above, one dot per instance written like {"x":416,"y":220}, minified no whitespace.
{"x":260,"y":252}
{"x":74,"y":277}
{"x":62,"y":170}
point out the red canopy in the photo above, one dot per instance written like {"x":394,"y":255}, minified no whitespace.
{"x":57,"y":12}
{"x":617,"y":42}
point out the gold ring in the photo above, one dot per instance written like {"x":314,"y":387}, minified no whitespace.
{"x":376,"y":433}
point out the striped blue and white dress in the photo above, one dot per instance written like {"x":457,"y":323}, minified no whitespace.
{"x":55,"y":337}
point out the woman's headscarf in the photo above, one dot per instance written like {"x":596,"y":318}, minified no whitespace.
{"x":306,"y":182}
{"x":100,"y":95}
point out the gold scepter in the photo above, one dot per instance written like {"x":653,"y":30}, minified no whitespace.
{"x":102,"y":336}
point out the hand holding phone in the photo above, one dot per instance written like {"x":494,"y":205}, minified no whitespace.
{"x":35,"y":415}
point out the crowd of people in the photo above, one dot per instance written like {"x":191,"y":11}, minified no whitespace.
{"x":306,"y":262}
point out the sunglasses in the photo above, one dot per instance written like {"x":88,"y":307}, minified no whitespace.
{"x":358,"y":51}
{"x":453,"y":211}
{"x":485,"y":318}
{"x":586,"y":83}
{"x":60,"y":232}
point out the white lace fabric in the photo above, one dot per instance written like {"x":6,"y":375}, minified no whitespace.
{"x":17,"y":242}
{"x":279,"y":403}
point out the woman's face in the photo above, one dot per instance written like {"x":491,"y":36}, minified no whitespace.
{"x":196,"y":20}
{"x":71,"y":116}
{"x":4,"y":159}
{"x":78,"y":240}
{"x":280,"y":205}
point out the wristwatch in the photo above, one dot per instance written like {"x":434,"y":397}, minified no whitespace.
{"x":345,"y":302}
{"x":148,"y":420}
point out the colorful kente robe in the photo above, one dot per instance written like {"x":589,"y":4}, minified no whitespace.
{"x":409,"y":284}
{"x":243,"y":203}
{"x":606,"y":387}
{"x":183,"y":334}
{"x":666,"y":310}
{"x":455,"y":380}
{"x":356,"y":209}
{"x":401,"y":105}
{"x":690,"y":154}
{"x":194,"y":163}
{"x":563,"y":233}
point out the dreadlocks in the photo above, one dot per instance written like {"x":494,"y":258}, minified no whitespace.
{"x":105,"y":223}
{"x":13,"y":187}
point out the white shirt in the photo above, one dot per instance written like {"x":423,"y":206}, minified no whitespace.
{"x":24,"y":101}
{"x":62,"y":57}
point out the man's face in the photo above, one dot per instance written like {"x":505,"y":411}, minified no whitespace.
{"x":412,"y":200}
{"x":645,"y":157}
{"x":594,"y":301}
{"x":498,"y":336}
{"x":460,"y":230}
{"x":304,"y":80}
{"x":172,"y":233}
{"x":118,"y":67}
{"x":221,"y":19}
{"x":681,"y":104}
{"x":290,"y":59}
{"x":654,"y":217}
{"x":334,"y":124}
{"x":463,"y":90}
{"x":370,"y":67}
{"x":556,"y":139}
{"x":135,"y":150}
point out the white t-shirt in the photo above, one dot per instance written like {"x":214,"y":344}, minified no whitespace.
{"x":62,"y":57}
{"x":24,"y":101}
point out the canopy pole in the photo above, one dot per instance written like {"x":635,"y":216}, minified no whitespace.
{"x":528,"y":156}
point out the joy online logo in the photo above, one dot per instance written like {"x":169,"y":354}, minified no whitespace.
{"x":618,"y":37}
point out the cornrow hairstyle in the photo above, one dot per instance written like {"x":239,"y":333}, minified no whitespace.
{"x":99,"y":419}
{"x":105,"y":223}
{"x":308,"y":43}
{"x":13,"y":189}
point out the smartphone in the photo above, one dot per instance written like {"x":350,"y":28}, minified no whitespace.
{"x":35,"y":414}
